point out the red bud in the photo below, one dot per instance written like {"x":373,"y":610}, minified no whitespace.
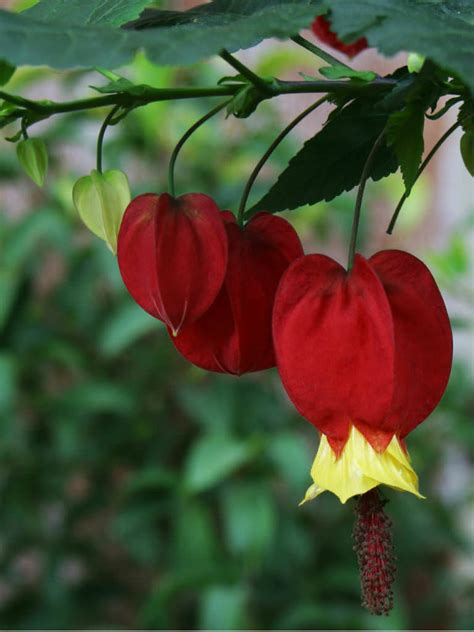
{"x":234,"y":335}
{"x":172,"y":254}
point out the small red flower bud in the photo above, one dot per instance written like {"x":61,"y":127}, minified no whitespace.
{"x":234,"y":335}
{"x":172,"y":254}
{"x":321,"y":27}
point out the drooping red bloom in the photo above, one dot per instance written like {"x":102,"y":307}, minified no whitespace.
{"x":235,"y":334}
{"x":321,"y":27}
{"x":369,"y":349}
{"x":172,"y":254}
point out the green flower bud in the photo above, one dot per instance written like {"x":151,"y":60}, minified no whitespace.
{"x":101,"y":200}
{"x":33,"y":158}
{"x":467,"y":150}
{"x":415,"y":62}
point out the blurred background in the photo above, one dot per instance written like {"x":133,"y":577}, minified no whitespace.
{"x":140,"y":492}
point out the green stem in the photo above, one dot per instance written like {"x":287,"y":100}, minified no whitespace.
{"x":319,"y":52}
{"x":153,"y":95}
{"x":268,"y":153}
{"x":100,"y":137}
{"x":254,"y":79}
{"x":184,"y":138}
{"x":360,"y":196}
{"x":24,"y":128}
{"x":423,"y":166}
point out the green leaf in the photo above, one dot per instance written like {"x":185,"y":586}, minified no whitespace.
{"x":224,"y":608}
{"x":223,"y":24}
{"x":342,"y":72}
{"x":213,"y":458}
{"x":6,"y":72}
{"x":442,"y":30}
{"x":332,"y":161}
{"x":467,"y":151}
{"x":405,"y":134}
{"x":87,"y":12}
{"x":249,"y":519}
{"x":124,"y":327}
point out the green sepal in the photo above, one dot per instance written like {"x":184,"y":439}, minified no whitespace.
{"x":101,"y":200}
{"x":33,"y":157}
{"x":467,"y":151}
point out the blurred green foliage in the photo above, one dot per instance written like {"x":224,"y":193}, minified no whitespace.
{"x":140,"y":492}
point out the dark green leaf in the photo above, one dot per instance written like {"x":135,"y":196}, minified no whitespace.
{"x":228,"y":24}
{"x":6,"y":72}
{"x":467,"y":151}
{"x":87,"y":12}
{"x":405,"y":134}
{"x":442,"y":30}
{"x":332,"y":161}
{"x":342,"y":72}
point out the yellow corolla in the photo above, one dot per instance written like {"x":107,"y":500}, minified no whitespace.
{"x":360,"y":468}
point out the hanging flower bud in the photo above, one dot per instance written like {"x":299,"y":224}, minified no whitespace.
{"x":101,"y":200}
{"x":33,"y":158}
{"x":234,"y":335}
{"x":365,"y":356}
{"x":172,"y":254}
{"x":321,"y":27}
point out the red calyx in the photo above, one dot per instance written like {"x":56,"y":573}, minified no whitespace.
{"x":172,"y":254}
{"x":235,"y":334}
{"x":372,"y":347}
{"x":321,"y":27}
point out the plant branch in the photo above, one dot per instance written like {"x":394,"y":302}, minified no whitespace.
{"x":319,"y":52}
{"x":147,"y":95}
{"x":423,"y":166}
{"x":259,"y":83}
{"x":360,"y":196}
{"x":268,"y":153}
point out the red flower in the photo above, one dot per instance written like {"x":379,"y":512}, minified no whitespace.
{"x":365,"y":354}
{"x":321,"y":27}
{"x":235,"y":334}
{"x":172,"y":254}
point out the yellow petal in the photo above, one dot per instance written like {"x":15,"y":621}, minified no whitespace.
{"x":360,"y":468}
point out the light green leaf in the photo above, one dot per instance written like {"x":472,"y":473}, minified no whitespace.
{"x":124,"y":327}
{"x":224,"y":608}
{"x":342,"y":72}
{"x":213,"y":458}
{"x":405,"y":134}
{"x":249,"y":519}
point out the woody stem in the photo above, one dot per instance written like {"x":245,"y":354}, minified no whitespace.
{"x":360,"y":196}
